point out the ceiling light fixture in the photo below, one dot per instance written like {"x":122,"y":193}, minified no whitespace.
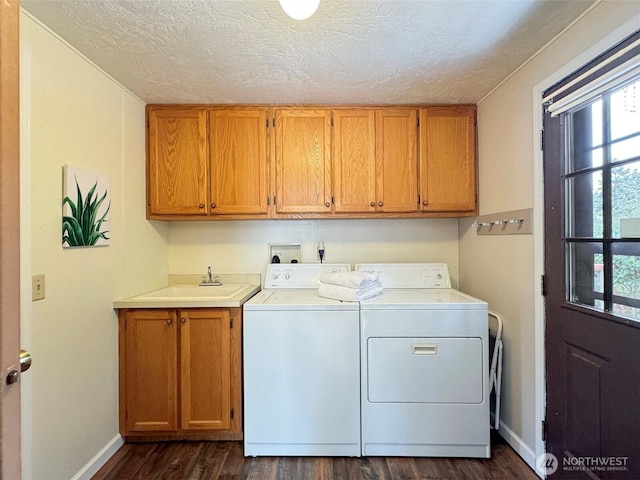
{"x":299,"y":9}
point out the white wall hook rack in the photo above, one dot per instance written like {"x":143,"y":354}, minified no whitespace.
{"x":515,"y":222}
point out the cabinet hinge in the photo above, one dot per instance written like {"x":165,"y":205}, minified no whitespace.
{"x":231,"y":323}
{"x":418,"y":199}
{"x":267,"y":123}
{"x":268,"y":201}
{"x":232,"y":414}
{"x":273,"y":122}
{"x":332,"y":120}
{"x":274,"y":199}
{"x":543,"y":285}
{"x":332,"y":200}
{"x":543,"y":427}
{"x":542,"y":139}
{"x":417,"y":121}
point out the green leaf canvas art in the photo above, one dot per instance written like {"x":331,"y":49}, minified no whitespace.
{"x":85,"y":208}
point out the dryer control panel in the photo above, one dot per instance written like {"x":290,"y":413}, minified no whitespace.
{"x":410,"y":275}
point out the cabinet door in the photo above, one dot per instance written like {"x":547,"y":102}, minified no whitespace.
{"x":177,"y":161}
{"x":238,"y":161}
{"x":205,"y":369}
{"x":150,"y":359}
{"x":396,"y":160}
{"x":448,"y":159}
{"x":354,"y":160}
{"x":303,"y":169}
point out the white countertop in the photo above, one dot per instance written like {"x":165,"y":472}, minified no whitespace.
{"x":242,"y":286}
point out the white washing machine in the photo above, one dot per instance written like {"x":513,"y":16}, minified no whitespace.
{"x":301,"y":367}
{"x":424,"y":360}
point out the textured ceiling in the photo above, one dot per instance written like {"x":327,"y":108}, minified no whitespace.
{"x":348,"y":52}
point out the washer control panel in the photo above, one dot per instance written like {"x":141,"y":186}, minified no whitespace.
{"x":299,"y":275}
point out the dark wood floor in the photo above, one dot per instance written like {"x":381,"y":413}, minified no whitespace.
{"x":224,"y":461}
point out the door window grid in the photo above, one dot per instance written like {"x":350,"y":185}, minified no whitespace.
{"x":602,"y":186}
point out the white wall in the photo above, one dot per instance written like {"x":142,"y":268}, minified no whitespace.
{"x":242,"y":246}
{"x":79,"y":116}
{"x":502,"y":269}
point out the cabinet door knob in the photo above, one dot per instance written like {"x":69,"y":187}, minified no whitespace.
{"x":373,"y":204}
{"x":201,"y":205}
{"x":169,"y":321}
{"x":379,"y":204}
{"x":425,"y":203}
{"x":183,"y":320}
{"x":213,"y":205}
{"x":327,"y":204}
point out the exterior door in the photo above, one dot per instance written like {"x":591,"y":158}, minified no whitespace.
{"x":10,"y":458}
{"x":592,"y":273}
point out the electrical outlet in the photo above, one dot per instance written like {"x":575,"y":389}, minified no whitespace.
{"x":37,"y":287}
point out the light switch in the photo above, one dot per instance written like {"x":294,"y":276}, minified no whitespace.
{"x":37,"y":287}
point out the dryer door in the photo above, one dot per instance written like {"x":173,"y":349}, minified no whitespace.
{"x":425,"y":370}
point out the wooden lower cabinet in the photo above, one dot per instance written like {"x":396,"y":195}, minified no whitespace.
{"x":180,"y":374}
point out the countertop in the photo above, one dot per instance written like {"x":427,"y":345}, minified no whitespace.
{"x":251,"y":284}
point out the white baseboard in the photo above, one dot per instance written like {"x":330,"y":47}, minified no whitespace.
{"x":99,"y":459}
{"x":521,"y":448}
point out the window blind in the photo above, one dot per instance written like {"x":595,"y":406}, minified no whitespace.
{"x":613,"y":68}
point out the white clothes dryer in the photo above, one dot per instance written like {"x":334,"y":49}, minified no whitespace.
{"x":301,"y":367}
{"x":424,"y":366}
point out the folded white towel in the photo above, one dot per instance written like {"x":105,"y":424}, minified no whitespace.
{"x":338,"y":292}
{"x":350,"y":279}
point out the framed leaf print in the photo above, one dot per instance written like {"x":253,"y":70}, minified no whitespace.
{"x":85,"y":208}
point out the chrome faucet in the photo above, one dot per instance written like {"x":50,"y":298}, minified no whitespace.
{"x":211,"y":280}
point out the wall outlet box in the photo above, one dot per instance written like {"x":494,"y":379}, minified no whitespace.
{"x":286,"y":252}
{"x":630,"y":227}
{"x":37,"y":287}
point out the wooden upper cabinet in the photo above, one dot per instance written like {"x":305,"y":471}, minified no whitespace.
{"x":151,"y":363}
{"x":448,"y":159}
{"x":177,"y":161}
{"x":354,"y":160}
{"x":396,"y":160}
{"x":238,"y":161}
{"x":303,"y":160}
{"x":227,"y":162}
{"x":205,"y":369}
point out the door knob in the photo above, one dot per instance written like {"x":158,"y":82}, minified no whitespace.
{"x":25,"y":363}
{"x":25,"y":360}
{"x":12,"y":377}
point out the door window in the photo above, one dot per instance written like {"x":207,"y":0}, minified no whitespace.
{"x":602,"y":202}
